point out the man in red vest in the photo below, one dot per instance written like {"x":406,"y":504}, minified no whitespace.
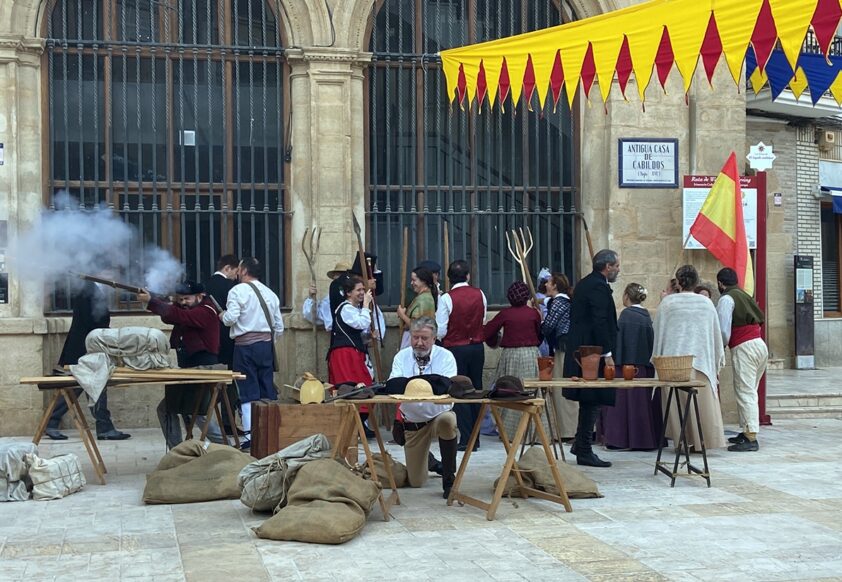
{"x":740,"y":319}
{"x":460,"y":316}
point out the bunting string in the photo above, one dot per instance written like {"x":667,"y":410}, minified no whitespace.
{"x":764,"y":38}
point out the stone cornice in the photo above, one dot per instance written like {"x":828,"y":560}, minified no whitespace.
{"x":327,"y":55}
{"x":20,"y":45}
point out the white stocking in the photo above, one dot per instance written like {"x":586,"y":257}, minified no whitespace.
{"x":246,"y":413}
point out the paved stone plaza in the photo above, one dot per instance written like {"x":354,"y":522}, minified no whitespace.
{"x":772,"y":515}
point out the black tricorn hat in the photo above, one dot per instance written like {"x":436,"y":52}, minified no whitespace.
{"x":189,"y":288}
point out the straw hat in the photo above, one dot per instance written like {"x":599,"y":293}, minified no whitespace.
{"x":418,"y":389}
{"x":341,"y":267}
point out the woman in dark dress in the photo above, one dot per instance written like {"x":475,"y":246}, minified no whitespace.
{"x":635,"y":421}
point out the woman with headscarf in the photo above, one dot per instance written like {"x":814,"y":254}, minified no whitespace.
{"x":424,"y":303}
{"x":687,"y":324}
{"x":521,"y":328}
{"x":635,"y":421}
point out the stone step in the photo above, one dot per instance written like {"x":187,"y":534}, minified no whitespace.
{"x":804,"y":405}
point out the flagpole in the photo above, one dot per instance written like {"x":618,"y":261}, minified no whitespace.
{"x":681,"y":256}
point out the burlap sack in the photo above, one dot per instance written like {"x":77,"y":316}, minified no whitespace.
{"x":536,"y":472}
{"x":206,"y":478}
{"x":398,"y":471}
{"x":264,"y":484}
{"x":327,"y":504}
{"x":187,"y":451}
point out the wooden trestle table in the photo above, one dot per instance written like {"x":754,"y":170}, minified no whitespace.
{"x":682,"y":447}
{"x":66,"y":386}
{"x":351,"y":430}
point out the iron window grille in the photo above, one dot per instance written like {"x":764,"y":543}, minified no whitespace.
{"x":172,"y":113}
{"x":481,"y":172}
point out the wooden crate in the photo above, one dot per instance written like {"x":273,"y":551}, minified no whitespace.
{"x":275,"y":426}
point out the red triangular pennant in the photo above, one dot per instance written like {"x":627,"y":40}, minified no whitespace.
{"x":765,"y":35}
{"x":461,"y":85}
{"x":624,"y":66}
{"x":825,"y":21}
{"x":529,"y":82}
{"x":504,"y":84}
{"x":482,"y":86}
{"x":588,"y":73}
{"x":557,"y":78}
{"x":664,"y":58}
{"x":711,"y":48}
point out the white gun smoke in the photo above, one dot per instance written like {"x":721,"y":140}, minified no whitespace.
{"x":93,"y":241}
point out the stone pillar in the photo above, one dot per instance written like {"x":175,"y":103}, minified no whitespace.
{"x":327,"y":179}
{"x":23,"y":325}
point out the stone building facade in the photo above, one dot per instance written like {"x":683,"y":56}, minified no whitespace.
{"x":327,"y":50}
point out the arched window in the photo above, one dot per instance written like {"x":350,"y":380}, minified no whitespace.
{"x":172,"y":112}
{"x":481,"y":173}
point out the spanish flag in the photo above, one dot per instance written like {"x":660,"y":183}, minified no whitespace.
{"x":720,"y":228}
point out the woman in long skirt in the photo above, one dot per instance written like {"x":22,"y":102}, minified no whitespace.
{"x":555,"y":328}
{"x":687,"y":324}
{"x":635,"y":421}
{"x":521,"y":328}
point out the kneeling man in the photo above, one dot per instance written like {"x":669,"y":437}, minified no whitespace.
{"x":424,"y":420}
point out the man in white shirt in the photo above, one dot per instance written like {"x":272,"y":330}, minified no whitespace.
{"x":253,"y":314}
{"x":423,"y":420}
{"x":460,"y":316}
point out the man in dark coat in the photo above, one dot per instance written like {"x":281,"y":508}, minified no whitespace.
{"x":218,"y":287}
{"x":593,"y":322}
{"x":90,"y":312}
{"x":195,"y":338}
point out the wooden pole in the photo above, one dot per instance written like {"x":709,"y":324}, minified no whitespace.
{"x":446,"y":257}
{"x":403,"y":279}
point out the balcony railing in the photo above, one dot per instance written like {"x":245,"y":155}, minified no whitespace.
{"x":811,"y":45}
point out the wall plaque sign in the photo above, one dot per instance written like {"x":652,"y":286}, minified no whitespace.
{"x":648,"y":162}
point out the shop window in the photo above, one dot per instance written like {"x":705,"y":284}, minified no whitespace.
{"x":831,"y":253}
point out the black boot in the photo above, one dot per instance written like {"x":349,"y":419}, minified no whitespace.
{"x":433,"y":464}
{"x":584,"y":434}
{"x":448,"y":464}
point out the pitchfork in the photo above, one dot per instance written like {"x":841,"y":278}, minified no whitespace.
{"x":310,"y":248}
{"x":521,"y":251}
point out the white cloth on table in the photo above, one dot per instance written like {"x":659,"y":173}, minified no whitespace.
{"x":92,"y":373}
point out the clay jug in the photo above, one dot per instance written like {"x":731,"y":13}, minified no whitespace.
{"x":545,"y":367}
{"x":588,"y":359}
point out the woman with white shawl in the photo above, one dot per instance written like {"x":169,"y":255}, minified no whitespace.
{"x":687,"y":324}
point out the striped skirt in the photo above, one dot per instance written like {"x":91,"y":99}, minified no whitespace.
{"x":521,"y":363}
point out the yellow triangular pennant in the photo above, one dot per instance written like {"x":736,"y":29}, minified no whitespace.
{"x":735,"y":21}
{"x":687,"y":24}
{"x":836,"y":89}
{"x":798,"y":83}
{"x":792,"y":17}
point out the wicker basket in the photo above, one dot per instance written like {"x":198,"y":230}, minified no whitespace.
{"x":673,"y":368}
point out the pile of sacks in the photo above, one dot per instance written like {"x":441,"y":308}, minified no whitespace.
{"x":23,"y":474}
{"x":313,"y":498}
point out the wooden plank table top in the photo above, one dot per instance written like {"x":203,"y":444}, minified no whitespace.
{"x":531,"y":383}
{"x":65,"y":386}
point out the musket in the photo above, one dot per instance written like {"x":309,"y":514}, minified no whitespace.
{"x":375,"y":347}
{"x":132,"y":288}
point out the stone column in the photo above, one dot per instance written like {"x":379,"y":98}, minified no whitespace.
{"x":327,"y":179}
{"x":23,"y":325}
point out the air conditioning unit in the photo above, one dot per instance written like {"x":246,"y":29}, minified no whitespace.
{"x":827,"y":139}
